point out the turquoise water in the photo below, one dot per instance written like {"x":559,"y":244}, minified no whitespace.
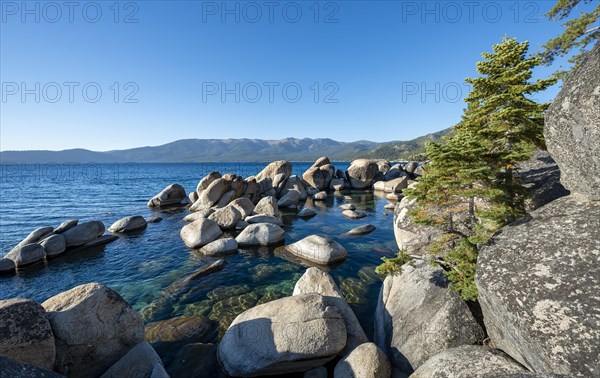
{"x":141,"y":266}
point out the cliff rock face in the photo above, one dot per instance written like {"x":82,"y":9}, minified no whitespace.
{"x":572,"y":129}
{"x":539,"y":279}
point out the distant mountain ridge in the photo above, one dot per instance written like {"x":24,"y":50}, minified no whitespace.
{"x":231,"y":150}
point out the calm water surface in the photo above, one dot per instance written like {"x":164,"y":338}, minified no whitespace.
{"x":141,"y":266}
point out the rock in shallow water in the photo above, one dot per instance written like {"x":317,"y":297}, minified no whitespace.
{"x":261,"y":218}
{"x":260,"y":234}
{"x":200,"y":232}
{"x":34,"y":237}
{"x":129,"y":224}
{"x":54,"y":245}
{"x":173,"y":194}
{"x":319,"y":249}
{"x":226,"y":217}
{"x":94,"y":327}
{"x":353,"y":214}
{"x":267,"y":206}
{"x":26,"y":254}
{"x":362,"y":230}
{"x":306,"y":213}
{"x":291,"y":334}
{"x":25,"y":333}
{"x":181,"y":328}
{"x":6,"y":265}
{"x":64,"y":226}
{"x":83,"y":233}
{"x":220,"y":247}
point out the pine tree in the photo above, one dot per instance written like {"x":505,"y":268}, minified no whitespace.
{"x":578,"y":34}
{"x":469,"y":189}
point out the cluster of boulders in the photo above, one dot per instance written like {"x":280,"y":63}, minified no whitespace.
{"x":225,"y":203}
{"x":301,"y":333}
{"x":88,"y":331}
{"x":48,"y":242}
{"x":536,"y":279}
{"x":45,"y":243}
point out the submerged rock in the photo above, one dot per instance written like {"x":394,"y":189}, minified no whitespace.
{"x":362,"y":230}
{"x":179,"y":329}
{"x":25,"y":333}
{"x":291,"y":334}
{"x":94,"y":327}
{"x":306,"y":213}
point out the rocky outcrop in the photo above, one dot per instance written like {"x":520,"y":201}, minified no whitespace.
{"x":140,"y":362}
{"x":129,"y":224}
{"x":319,"y":249}
{"x":417,"y":316}
{"x":314,"y":280}
{"x":226,"y":217}
{"x":365,"y":361}
{"x":260,"y":234}
{"x":25,"y":333}
{"x":172,"y":195}
{"x":13,"y":369}
{"x":200,"y":232}
{"x":534,"y":290}
{"x":361,"y":173}
{"x":572,"y":129}
{"x":273,"y":169}
{"x":94,"y":327}
{"x":287,"y":335}
{"x":411,"y":237}
{"x":320,"y":174}
{"x":468,"y":361}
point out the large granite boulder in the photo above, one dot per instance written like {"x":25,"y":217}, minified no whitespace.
{"x":294,"y":183}
{"x":206,"y":181}
{"x":290,"y":198}
{"x":34,"y":237}
{"x":173,"y":194}
{"x":319,"y":175}
{"x":314,"y":280}
{"x":365,"y":361}
{"x":243,"y":205}
{"x":273,"y":169}
{"x":260,"y":234}
{"x":468,"y":361}
{"x":411,"y":237}
{"x":200,"y":232}
{"x":94,"y":327}
{"x":129,"y":224}
{"x":417,"y":316}
{"x":291,"y":334}
{"x":6,"y":265}
{"x":226,"y":217}
{"x":140,"y":362}
{"x":64,"y":226}
{"x":319,"y":249}
{"x":212,"y":194}
{"x":26,"y":254}
{"x":267,"y":206}
{"x":25,"y":333}
{"x":220,"y":247}
{"x":54,"y":245}
{"x":572,"y":130}
{"x":83,"y":233}
{"x":361,"y":173}
{"x":186,"y":329}
{"x":535,"y":281}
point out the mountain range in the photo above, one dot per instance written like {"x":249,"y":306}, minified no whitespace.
{"x":233,"y":150}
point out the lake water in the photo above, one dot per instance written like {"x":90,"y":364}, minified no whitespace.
{"x":141,"y":266}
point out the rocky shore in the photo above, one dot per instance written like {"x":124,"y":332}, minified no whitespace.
{"x":538,"y":281}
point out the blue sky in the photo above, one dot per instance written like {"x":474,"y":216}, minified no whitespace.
{"x":346,"y":70}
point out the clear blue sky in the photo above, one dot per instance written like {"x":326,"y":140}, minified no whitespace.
{"x":385,"y":70}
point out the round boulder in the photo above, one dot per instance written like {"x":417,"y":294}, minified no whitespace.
{"x":365,"y":361}
{"x":83,"y":233}
{"x":129,"y":224}
{"x":26,"y":254}
{"x":319,"y":249}
{"x":200,"y":232}
{"x":361,"y":173}
{"x":220,"y":247}
{"x":173,"y":194}
{"x":261,"y":234}
{"x":54,"y":245}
